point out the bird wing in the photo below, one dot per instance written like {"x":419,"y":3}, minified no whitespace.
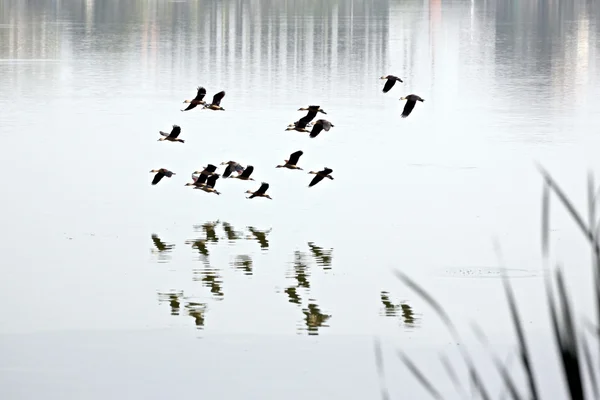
{"x":192,"y":105}
{"x":263,"y":188}
{"x":294,"y":157}
{"x":327,"y":171}
{"x":315,"y":180}
{"x":164,"y":133}
{"x":218,"y":97}
{"x":247,"y":172}
{"x":316,"y":129}
{"x":408,"y":107}
{"x":210,"y":168}
{"x":201,"y":93}
{"x":212,"y":180}
{"x":175,"y":131}
{"x":201,"y":179}
{"x":228,"y":171}
{"x":326,"y":124}
{"x":302,"y":122}
{"x":391,"y":81}
{"x":157,"y":177}
{"x":158,"y":243}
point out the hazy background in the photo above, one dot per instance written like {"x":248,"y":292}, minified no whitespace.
{"x":115,"y":288}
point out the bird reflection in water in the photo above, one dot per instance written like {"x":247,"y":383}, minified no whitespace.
{"x":260,"y":237}
{"x":293,"y":295}
{"x":210,"y":278}
{"x":174,"y":300}
{"x":209,"y":230}
{"x":314,"y":319}
{"x":323,"y":257}
{"x":196,"y":311}
{"x":193,"y":309}
{"x":244,"y":263}
{"x":231,"y":233}
{"x":393,"y":310}
{"x":162,"y":249}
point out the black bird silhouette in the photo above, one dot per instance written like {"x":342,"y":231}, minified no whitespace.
{"x":209,"y":187}
{"x":199,"y":180}
{"x":216,"y":102}
{"x":319,"y":125}
{"x":231,"y":167}
{"x":411,"y":100}
{"x":303,"y":122}
{"x":260,"y":192}
{"x":171,"y":137}
{"x":391,"y":81}
{"x":320,"y":175}
{"x":291,"y":163}
{"x":196,"y":100}
{"x":245,"y":176}
{"x":160,"y":173}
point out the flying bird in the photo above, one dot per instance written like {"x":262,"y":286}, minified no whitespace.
{"x":231,"y":167}
{"x":391,"y":81}
{"x":320,"y":175}
{"x":245,"y":176}
{"x":209,"y":187}
{"x":312,"y":108}
{"x":319,"y":125}
{"x":208,"y":170}
{"x":199,"y":180}
{"x":291,"y":163}
{"x":171,"y":137}
{"x":303,"y":122}
{"x":196,"y":100}
{"x":411,"y":100}
{"x":216,"y":102}
{"x":160,"y":173}
{"x":260,"y":192}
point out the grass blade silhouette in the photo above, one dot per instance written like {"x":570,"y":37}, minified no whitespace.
{"x":419,"y":375}
{"x":473,"y":374}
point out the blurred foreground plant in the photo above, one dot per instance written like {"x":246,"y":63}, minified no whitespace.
{"x":575,"y":357}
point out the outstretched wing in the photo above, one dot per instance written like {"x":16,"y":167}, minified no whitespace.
{"x":302,"y":122}
{"x":327,"y":171}
{"x":315,"y":180}
{"x":201,"y":93}
{"x":200,"y":179}
{"x":408,"y":107}
{"x":217,"y":98}
{"x":210,"y":168}
{"x":317,"y":128}
{"x":212,"y":180}
{"x":263,"y":188}
{"x":164,"y":133}
{"x":192,"y":105}
{"x":159,"y":175}
{"x":326,"y":124}
{"x":391,"y":81}
{"x":294,"y":157}
{"x":175,"y":131}
{"x":228,"y":171}
{"x":247,"y":172}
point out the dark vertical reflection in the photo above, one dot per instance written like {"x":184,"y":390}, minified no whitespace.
{"x":161,"y":249}
{"x":262,"y":43}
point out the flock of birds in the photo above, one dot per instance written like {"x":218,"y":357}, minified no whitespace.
{"x":206,"y":179}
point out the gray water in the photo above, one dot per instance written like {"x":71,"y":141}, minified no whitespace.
{"x":114,"y":288}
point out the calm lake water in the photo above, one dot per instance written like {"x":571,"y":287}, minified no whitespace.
{"x":114,"y":288}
